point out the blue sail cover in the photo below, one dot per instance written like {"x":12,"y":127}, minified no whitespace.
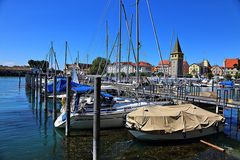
{"x":82,"y":88}
{"x":61,"y":85}
{"x":78,"y":88}
{"x":227,"y":83}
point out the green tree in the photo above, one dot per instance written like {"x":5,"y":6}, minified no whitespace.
{"x":123,"y":74}
{"x":209,"y":75}
{"x":188,"y":75}
{"x":228,"y":76}
{"x":132,"y":74}
{"x":237,"y":75}
{"x":98,"y":65}
{"x":147,"y":74}
{"x":160,"y":74}
{"x":43,"y":65}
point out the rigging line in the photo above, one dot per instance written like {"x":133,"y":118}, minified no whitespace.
{"x":101,"y":19}
{"x":155,"y":34}
{"x":129,"y":47}
{"x":69,"y":52}
{"x":128,"y":30}
{"x":108,"y":59}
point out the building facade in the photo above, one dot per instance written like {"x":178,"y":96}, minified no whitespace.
{"x":126,"y":67}
{"x":164,"y":67}
{"x":195,"y":69}
{"x":177,"y":61}
{"x":217,"y":70}
{"x":231,"y":66}
{"x":81,"y":68}
{"x":145,"y":67}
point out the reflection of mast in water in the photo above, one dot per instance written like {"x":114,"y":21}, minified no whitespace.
{"x":40,"y":115}
{"x":45,"y":127}
{"x":36,"y":111}
{"x":54,"y":148}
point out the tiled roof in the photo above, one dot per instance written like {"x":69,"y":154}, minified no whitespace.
{"x":185,"y":63}
{"x":229,"y":63}
{"x":144,"y":64}
{"x":164,"y":62}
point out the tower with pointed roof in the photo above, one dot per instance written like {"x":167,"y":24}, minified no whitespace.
{"x":177,"y":60}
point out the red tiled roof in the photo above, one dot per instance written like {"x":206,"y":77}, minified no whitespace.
{"x":185,"y":63}
{"x":144,"y":64}
{"x":229,"y":63}
{"x":164,"y":62}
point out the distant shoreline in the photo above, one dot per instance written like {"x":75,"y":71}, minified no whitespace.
{"x":15,"y":71}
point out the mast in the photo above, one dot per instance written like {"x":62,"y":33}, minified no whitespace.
{"x":52,"y":54}
{"x":120,"y":40}
{"x":137,"y":42}
{"x":106,"y":40}
{"x":65,"y":63}
{"x":78,"y":61}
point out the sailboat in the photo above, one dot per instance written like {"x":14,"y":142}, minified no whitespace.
{"x":112,"y":113}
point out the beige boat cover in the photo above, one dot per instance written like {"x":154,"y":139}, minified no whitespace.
{"x":168,"y":119}
{"x":206,"y":94}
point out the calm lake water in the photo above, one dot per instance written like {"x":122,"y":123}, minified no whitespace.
{"x":27,"y":132}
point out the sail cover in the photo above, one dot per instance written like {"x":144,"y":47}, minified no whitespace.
{"x":168,"y":119}
{"x":61,"y":85}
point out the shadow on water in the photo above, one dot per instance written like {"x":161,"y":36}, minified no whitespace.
{"x":119,"y":144}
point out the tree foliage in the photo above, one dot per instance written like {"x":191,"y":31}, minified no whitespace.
{"x":237,"y":75}
{"x":42,"y":65}
{"x":228,"y":76}
{"x":209,"y":75}
{"x":188,"y":75}
{"x":98,"y":65}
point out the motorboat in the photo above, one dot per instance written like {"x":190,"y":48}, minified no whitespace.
{"x":175,"y":122}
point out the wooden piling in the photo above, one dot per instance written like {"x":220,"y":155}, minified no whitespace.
{"x":54,"y":99}
{"x":19,"y":81}
{"x":212,"y":85}
{"x":68,"y":108}
{"x":45,"y":93}
{"x":36,"y":87}
{"x":40,"y":87}
{"x":96,"y":120}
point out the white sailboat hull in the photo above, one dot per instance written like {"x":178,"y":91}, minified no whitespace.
{"x":111,"y":119}
{"x":108,"y":119}
{"x":154,"y":136}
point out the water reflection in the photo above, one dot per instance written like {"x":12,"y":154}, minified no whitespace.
{"x":119,"y":144}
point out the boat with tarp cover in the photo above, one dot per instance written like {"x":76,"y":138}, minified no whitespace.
{"x":176,"y":122}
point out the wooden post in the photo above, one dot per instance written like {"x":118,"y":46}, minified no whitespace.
{"x":45,"y":94}
{"x":19,"y":81}
{"x":54,"y":99}
{"x":212,"y":85}
{"x":40,"y":87}
{"x":238,"y":95}
{"x":33,"y":87}
{"x":68,"y":108}
{"x":96,"y":120}
{"x":36,"y":86}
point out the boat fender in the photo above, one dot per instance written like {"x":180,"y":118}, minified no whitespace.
{"x":217,"y":126}
{"x":184,"y":134}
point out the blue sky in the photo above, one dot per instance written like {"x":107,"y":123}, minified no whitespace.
{"x":207,"y":29}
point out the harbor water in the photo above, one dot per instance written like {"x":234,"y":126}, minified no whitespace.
{"x":27,"y":132}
